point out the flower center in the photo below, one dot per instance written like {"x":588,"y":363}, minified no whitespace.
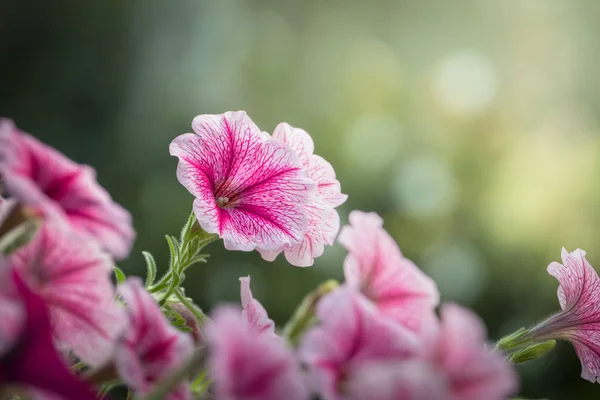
{"x":222,"y":201}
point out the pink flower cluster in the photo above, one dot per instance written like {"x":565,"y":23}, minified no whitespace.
{"x":377,"y":337}
{"x":256,"y":191}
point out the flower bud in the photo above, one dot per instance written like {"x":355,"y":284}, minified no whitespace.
{"x":533,"y":352}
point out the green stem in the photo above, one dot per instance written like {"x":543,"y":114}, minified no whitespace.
{"x":200,"y":316}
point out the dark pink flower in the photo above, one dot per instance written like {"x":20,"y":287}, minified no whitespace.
{"x":376,"y":267}
{"x":249,"y":189}
{"x":41,"y":177}
{"x":73,"y":276}
{"x":249,"y":365}
{"x":254,"y":313}
{"x":351,"y":334}
{"x":28,"y":358}
{"x":150,"y":347}
{"x":323,"y":219}
{"x":579,"y":320}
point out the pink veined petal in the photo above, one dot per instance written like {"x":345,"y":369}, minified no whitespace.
{"x":247,"y":365}
{"x":253,"y":312}
{"x":312,"y":244}
{"x":474,"y":370}
{"x":72,"y":275}
{"x":331,"y":227}
{"x":39,"y":176}
{"x":12,"y":311}
{"x":150,"y":348}
{"x":376,"y":266}
{"x":328,"y":186}
{"x":297,"y":139}
{"x":351,"y":332}
{"x":249,"y":189}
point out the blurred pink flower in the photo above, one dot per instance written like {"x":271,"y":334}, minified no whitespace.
{"x":248,"y":365}
{"x":376,"y":267}
{"x":28,"y":358}
{"x":350,"y":334}
{"x":250,"y":189}
{"x":254,"y":313}
{"x":150,"y":348}
{"x":456,"y":365}
{"x":323,"y":219}
{"x":73,"y":276}
{"x":41,"y":177}
{"x":579,"y":321}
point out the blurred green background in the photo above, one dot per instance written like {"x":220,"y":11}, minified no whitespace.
{"x":472,"y":127}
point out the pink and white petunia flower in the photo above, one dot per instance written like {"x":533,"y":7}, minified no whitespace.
{"x":249,"y":365}
{"x":456,"y":365}
{"x":323,"y":219}
{"x":254,"y":313}
{"x":579,"y":320}
{"x":150,"y":347}
{"x":28,"y":358}
{"x":249,"y":189}
{"x":376,"y":267}
{"x":73,"y":276}
{"x":41,"y":177}
{"x":351,"y":334}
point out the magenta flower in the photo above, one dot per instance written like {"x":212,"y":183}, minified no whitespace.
{"x":376,"y":267}
{"x":249,"y":189}
{"x":351,"y":334}
{"x":150,"y":347}
{"x":73,"y":276}
{"x":254,"y":313}
{"x":323,"y":219}
{"x":579,"y":321}
{"x":41,"y":177}
{"x":28,"y":358}
{"x":248,"y":365}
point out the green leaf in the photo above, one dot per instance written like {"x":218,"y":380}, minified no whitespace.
{"x":150,"y":268}
{"x":120,"y":275}
{"x":174,"y":249}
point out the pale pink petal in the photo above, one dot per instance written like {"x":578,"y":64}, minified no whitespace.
{"x":39,"y":176}
{"x":351,"y":332}
{"x":328,"y":186}
{"x":73,"y":276}
{"x":254,"y":313}
{"x":297,"y":139}
{"x":376,"y":266}
{"x":312,"y":244}
{"x":247,"y":365}
{"x":474,"y":370}
{"x":413,"y":379}
{"x":579,"y":321}
{"x":249,"y":189}
{"x":331,"y":227}
{"x":150,"y":348}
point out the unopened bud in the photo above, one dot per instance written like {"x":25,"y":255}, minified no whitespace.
{"x":532,"y":352}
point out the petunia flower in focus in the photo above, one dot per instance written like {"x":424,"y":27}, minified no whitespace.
{"x":28,"y":359}
{"x":579,"y":321}
{"x":376,"y":267}
{"x":41,"y":177}
{"x":350,"y":335}
{"x":249,"y":365}
{"x":73,"y":277}
{"x":249,"y":189}
{"x":254,"y":313}
{"x":323,"y":219}
{"x":150,"y":347}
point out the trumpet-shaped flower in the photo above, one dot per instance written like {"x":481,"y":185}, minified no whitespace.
{"x":579,"y":321}
{"x":351,"y":334}
{"x":72,"y":275}
{"x":41,"y":177}
{"x":28,"y":358}
{"x":323,"y":219}
{"x":249,"y":365}
{"x":376,"y":267}
{"x":254,"y":313}
{"x":150,"y":348}
{"x":250,"y":189}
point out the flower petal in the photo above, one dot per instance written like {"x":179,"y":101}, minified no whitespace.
{"x":297,"y":139}
{"x":72,"y":275}
{"x":254,"y":313}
